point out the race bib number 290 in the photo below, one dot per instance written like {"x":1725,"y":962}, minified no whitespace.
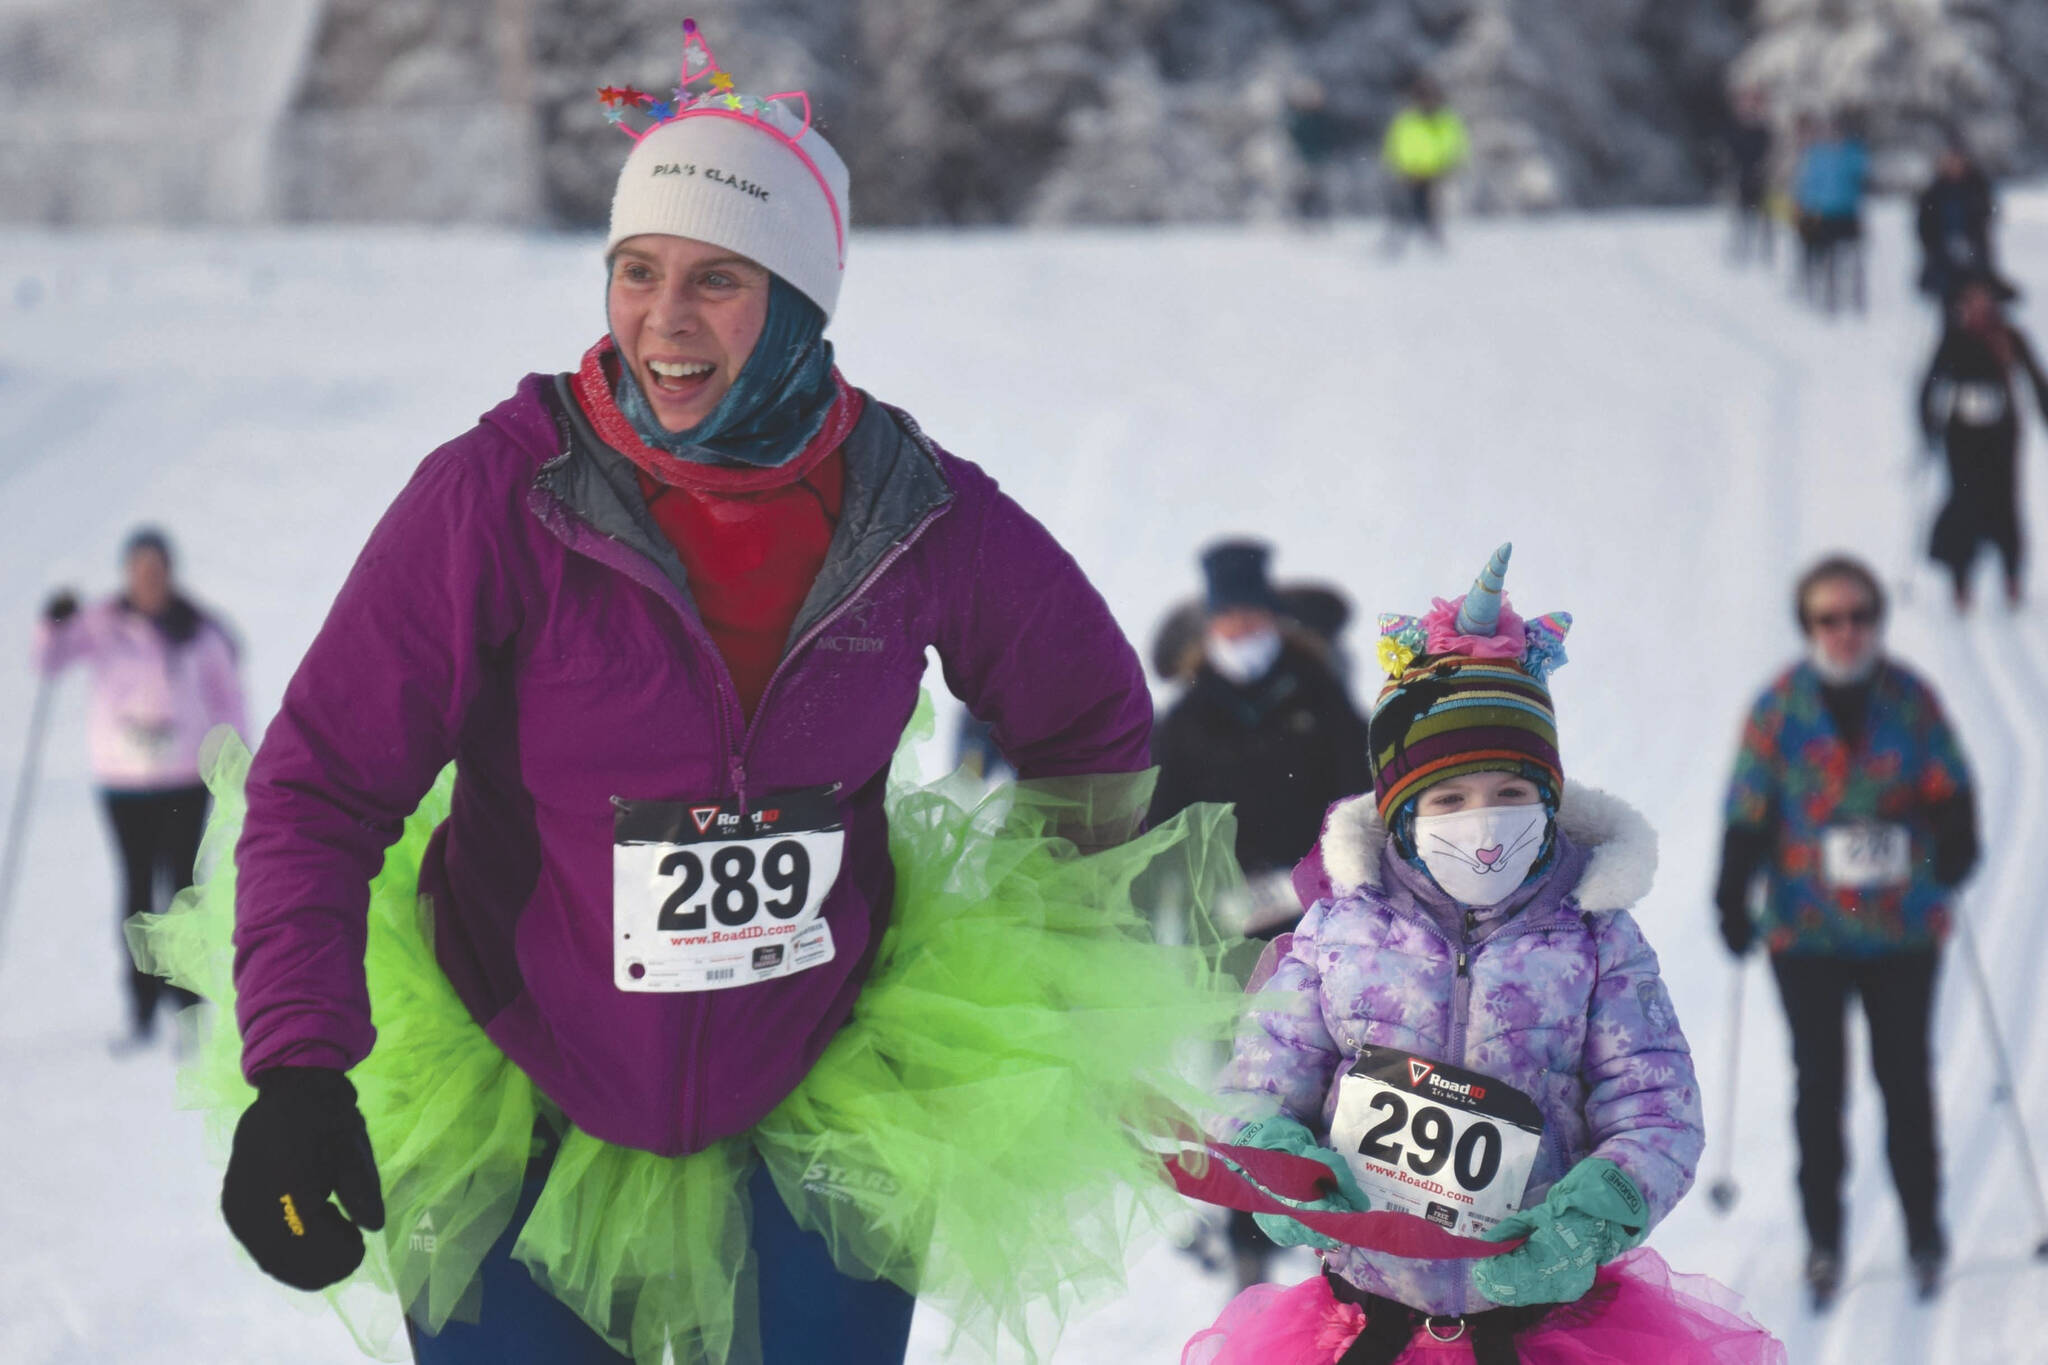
{"x":706,"y":896}
{"x":1438,"y":1141}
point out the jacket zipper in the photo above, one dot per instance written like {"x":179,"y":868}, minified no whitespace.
{"x":696,"y":1008}
{"x":631,"y":564}
{"x":735,"y":758}
{"x":1461,"y":1007}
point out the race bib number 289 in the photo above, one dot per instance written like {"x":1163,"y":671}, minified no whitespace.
{"x":706,"y":896}
{"x":1438,"y":1141}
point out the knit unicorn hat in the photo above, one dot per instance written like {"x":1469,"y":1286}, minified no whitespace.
{"x":745,"y":172}
{"x":1466,"y":692}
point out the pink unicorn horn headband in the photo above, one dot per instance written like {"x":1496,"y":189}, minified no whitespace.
{"x":705,"y":87}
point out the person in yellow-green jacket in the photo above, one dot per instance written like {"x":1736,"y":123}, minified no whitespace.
{"x":1425,"y":142}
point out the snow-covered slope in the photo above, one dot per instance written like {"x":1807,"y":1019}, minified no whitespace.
{"x":1665,"y":442}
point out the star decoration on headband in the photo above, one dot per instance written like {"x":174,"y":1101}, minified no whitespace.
{"x":616,"y":99}
{"x":717,"y":96}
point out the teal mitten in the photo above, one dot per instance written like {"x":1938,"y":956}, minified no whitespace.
{"x":1283,"y":1134}
{"x":1589,"y":1217}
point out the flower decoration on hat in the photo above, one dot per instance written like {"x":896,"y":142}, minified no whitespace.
{"x":706,"y":88}
{"x":1401,"y":639}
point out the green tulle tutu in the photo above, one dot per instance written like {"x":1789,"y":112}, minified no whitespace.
{"x":981,"y":1132}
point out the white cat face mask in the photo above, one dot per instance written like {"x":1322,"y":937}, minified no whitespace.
{"x":1480,"y":856}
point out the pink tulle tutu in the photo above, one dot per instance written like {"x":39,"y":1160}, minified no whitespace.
{"x":1638,"y":1313}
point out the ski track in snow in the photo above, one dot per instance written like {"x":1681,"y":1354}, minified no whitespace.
{"x":1666,"y":440}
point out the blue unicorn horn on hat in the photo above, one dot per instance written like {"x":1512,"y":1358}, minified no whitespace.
{"x":1479,"y":614}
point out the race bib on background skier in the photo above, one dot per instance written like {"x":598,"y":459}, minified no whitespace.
{"x":1866,"y":855}
{"x":706,"y":897}
{"x":1438,"y":1141}
{"x":1979,"y":405}
{"x":144,"y":740}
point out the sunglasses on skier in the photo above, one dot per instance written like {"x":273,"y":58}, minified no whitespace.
{"x":1830,"y":620}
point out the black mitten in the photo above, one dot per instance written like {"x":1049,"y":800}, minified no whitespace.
{"x":1743,"y":854}
{"x":1955,"y":838}
{"x":1738,"y":930}
{"x":61,"y":607}
{"x":301,"y":1141}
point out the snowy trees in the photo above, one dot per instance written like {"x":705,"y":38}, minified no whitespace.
{"x":413,"y":109}
{"x":984,"y":111}
{"x":1910,"y":73}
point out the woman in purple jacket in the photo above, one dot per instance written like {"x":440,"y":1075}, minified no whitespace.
{"x":683,"y":1030}
{"x":1470,"y":1028}
{"x":164,"y":672}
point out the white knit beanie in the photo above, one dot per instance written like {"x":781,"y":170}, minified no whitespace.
{"x":758,"y":181}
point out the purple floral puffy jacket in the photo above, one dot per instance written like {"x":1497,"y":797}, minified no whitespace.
{"x":1559,"y":998}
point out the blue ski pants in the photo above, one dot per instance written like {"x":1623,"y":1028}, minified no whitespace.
{"x":810,"y":1311}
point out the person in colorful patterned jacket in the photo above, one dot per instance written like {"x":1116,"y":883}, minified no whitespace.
{"x":1851,"y":804}
{"x":165,"y":671}
{"x":1471,"y":1028}
{"x":674,"y":1027}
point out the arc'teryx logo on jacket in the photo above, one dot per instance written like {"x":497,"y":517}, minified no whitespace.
{"x":861,"y":638}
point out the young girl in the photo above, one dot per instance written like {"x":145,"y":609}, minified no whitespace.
{"x":1479,"y":1037}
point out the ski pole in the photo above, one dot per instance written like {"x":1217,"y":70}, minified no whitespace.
{"x":1919,"y":522}
{"x":2005,"y":1081}
{"x":17,"y":817}
{"x":1724,"y":1191}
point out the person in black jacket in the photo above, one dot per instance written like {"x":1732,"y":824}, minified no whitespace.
{"x":1315,"y":136}
{"x":1953,"y":220}
{"x":1747,"y":148}
{"x":1970,"y":412}
{"x":1264,"y":724}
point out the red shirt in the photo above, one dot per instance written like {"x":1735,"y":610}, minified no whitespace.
{"x":751,"y":540}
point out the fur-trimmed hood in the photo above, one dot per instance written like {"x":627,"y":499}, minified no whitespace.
{"x":1621,"y":845}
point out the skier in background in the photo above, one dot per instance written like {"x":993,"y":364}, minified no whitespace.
{"x":1265,"y":724}
{"x":1827,"y":189}
{"x":1953,"y":218}
{"x":164,"y":673}
{"x":1425,"y":142}
{"x":1851,"y":803}
{"x":1969,"y":410}
{"x":1748,"y":152}
{"x":1314,"y":135}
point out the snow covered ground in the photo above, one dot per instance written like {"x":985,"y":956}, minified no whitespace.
{"x":1664,"y":439}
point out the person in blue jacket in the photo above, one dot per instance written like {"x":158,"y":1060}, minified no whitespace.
{"x":1828,"y":190}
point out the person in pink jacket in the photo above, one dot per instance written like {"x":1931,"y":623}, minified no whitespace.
{"x":164,"y":673}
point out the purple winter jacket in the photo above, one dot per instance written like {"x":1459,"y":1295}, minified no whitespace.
{"x":517,"y":611}
{"x":1559,"y":997}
